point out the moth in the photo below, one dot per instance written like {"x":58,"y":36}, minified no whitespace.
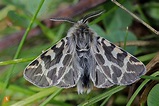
{"x":83,"y":58}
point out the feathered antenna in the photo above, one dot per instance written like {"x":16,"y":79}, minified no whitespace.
{"x":70,"y":20}
{"x":94,"y":14}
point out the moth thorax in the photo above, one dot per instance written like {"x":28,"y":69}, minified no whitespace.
{"x":82,"y":37}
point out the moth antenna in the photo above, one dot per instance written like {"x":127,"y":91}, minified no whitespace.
{"x":63,"y":19}
{"x":94,"y":14}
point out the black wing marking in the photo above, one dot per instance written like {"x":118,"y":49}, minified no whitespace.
{"x":54,"y":67}
{"x":114,"y":65}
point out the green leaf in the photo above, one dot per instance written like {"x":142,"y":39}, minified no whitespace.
{"x":118,"y":20}
{"x":30,"y":6}
{"x":98,"y":30}
{"x":153,"y":11}
{"x":119,"y":36}
{"x":153,"y":96}
{"x":17,"y":19}
{"x":4,"y":11}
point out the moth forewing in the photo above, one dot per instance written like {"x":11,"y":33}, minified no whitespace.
{"x":114,"y":65}
{"x":49,"y":68}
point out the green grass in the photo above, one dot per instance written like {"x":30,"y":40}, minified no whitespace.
{"x":139,"y":89}
{"x":6,"y":83}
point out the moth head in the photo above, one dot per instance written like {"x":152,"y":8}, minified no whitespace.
{"x":84,"y":20}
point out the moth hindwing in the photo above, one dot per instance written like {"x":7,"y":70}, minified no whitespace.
{"x":84,"y":59}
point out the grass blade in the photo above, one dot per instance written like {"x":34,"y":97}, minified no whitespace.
{"x":102,"y":96}
{"x":139,"y":89}
{"x":6,"y":83}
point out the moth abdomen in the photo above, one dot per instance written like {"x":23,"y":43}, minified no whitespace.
{"x":85,"y":80}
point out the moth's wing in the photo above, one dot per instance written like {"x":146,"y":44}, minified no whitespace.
{"x":114,"y":66}
{"x":54,"y":66}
